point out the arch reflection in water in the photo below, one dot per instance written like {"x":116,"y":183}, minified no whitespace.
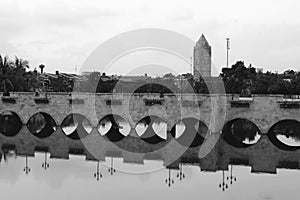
{"x":76,"y":126}
{"x":10,"y":123}
{"x":152,"y":129}
{"x":114,"y":127}
{"x":190,"y":132}
{"x":285,"y":134}
{"x":241,"y":133}
{"x":41,"y":125}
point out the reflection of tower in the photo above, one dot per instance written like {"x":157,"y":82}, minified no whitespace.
{"x":202,"y":59}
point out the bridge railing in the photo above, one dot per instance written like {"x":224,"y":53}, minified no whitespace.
{"x":157,"y":95}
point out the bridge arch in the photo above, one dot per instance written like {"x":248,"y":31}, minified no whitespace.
{"x":152,"y":129}
{"x":285,"y":134}
{"x":114,"y":127}
{"x":10,"y":123}
{"x":241,"y":132}
{"x":190,"y":132}
{"x":41,"y":125}
{"x":76,"y":126}
{"x":189,"y":113}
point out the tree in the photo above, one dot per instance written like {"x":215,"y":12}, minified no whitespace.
{"x":238,"y":77}
{"x":20,"y":64}
{"x":169,"y":76}
{"x":5,"y":66}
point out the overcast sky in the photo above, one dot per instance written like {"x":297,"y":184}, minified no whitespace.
{"x":61,"y":34}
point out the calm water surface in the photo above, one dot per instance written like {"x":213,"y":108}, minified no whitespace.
{"x":40,"y":177}
{"x":74,"y":179}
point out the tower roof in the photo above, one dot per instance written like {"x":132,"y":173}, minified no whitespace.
{"x":202,"y":42}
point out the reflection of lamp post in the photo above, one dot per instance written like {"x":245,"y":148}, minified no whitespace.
{"x":98,"y":174}
{"x":169,"y":180}
{"x":45,"y":164}
{"x":26,"y":168}
{"x":231,"y":177}
{"x":223,"y":185}
{"x":180,"y":174}
{"x":112,"y":170}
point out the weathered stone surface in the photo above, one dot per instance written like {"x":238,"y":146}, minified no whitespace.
{"x":264,"y":111}
{"x":202,"y":58}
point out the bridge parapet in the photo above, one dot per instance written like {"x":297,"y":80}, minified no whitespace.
{"x":213,"y":110}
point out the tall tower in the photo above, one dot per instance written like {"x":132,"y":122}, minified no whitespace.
{"x":202,"y":59}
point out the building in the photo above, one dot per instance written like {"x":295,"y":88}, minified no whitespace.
{"x":259,"y":70}
{"x":202,"y":59}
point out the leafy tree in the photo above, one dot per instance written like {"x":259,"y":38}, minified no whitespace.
{"x":5,"y":67}
{"x":238,"y":77}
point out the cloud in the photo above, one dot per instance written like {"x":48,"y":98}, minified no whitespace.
{"x":183,"y":15}
{"x":61,"y":33}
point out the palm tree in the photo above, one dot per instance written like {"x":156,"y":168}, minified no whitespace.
{"x":21,"y":64}
{"x":19,"y":73}
{"x":5,"y":67}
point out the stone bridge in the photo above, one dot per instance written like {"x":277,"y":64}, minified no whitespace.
{"x":213,"y":110}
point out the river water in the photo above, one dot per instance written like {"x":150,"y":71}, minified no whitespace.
{"x":42,"y":177}
{"x":74,"y":179}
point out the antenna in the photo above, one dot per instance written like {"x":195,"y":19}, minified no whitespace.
{"x":76,"y":69}
{"x":192,"y":69}
{"x":228,"y":48}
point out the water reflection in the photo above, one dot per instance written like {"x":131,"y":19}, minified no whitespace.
{"x":180,"y":174}
{"x":8,"y":153}
{"x":72,"y":179}
{"x":231,"y":178}
{"x":111,"y":169}
{"x":114,"y":127}
{"x":41,"y":125}
{"x":104,"y":126}
{"x":98,"y":174}
{"x":190,"y":132}
{"x":152,"y":129}
{"x":241,"y":133}
{"x":76,"y":126}
{"x":26,"y":168}
{"x":223,"y":185}
{"x":227,"y":181}
{"x":287,"y":132}
{"x":169,"y":180}
{"x":45,"y":164}
{"x":10,"y":123}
